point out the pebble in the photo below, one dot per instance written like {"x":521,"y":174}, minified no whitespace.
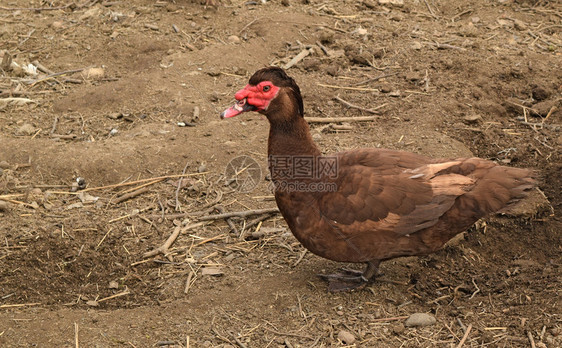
{"x":472,"y":119}
{"x":416,"y":45}
{"x":4,"y":165}
{"x":398,"y":328}
{"x":346,"y":337}
{"x":26,"y":129}
{"x":420,"y":319}
{"x":233,"y":39}
{"x":93,"y":73}
{"x":113,"y":285}
{"x":57,"y":24}
{"x":519,"y":25}
{"x":397,"y":3}
{"x":4,"y":206}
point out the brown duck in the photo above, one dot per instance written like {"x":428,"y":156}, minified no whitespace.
{"x":369,"y":205}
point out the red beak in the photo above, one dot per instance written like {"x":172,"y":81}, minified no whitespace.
{"x":238,"y":108}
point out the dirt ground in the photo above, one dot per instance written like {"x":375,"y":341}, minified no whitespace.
{"x":129,"y":94}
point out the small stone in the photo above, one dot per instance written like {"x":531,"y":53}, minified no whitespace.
{"x":420,"y":319}
{"x":413,"y":76}
{"x":213,"y":271}
{"x":4,"y":165}
{"x":57,"y":24}
{"x":520,"y":25}
{"x":4,"y":206}
{"x":92,"y":303}
{"x":369,"y":4}
{"x":346,"y":337}
{"x":475,"y":20}
{"x":395,"y":94}
{"x":26,"y":129}
{"x":361,"y":31}
{"x":93,"y":73}
{"x":385,"y":88}
{"x":327,"y":37}
{"x":416,"y":45}
{"x":115,"y":115}
{"x":398,"y":328}
{"x":540,"y":94}
{"x":397,"y":3}
{"x":233,"y":39}
{"x":472,"y":119}
{"x":113,"y":285}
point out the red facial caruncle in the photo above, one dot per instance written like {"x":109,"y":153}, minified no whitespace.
{"x":252,"y":98}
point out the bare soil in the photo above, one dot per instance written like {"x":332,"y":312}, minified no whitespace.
{"x":448,"y":78}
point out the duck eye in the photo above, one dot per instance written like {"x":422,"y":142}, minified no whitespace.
{"x":266,"y":88}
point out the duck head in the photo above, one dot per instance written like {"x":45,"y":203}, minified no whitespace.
{"x":270,"y":92}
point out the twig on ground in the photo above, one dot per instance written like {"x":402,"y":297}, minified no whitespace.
{"x":163,"y":249}
{"x":340,"y":119}
{"x":54,"y":126}
{"x":247,"y":25}
{"x":446,"y":46}
{"x":351,"y":88}
{"x":382,"y":76}
{"x":76,"y":335}
{"x":188,"y":282}
{"x":228,"y":220}
{"x":251,"y":224}
{"x":381,"y":320}
{"x":19,"y":305}
{"x":63,"y":136}
{"x":130,"y":195}
{"x":372,"y":111}
{"x":204,"y":241}
{"x":50,"y":76}
{"x":178,"y":206}
{"x":531,"y":339}
{"x":123,"y":293}
{"x":221,"y":337}
{"x":475,"y":292}
{"x":38,"y":9}
{"x":301,"y":256}
{"x":465,"y":336}
{"x":104,"y":236}
{"x":138,"y":182}
{"x":240,"y":214}
{"x":322,"y":47}
{"x":430,"y":10}
{"x":298,"y":58}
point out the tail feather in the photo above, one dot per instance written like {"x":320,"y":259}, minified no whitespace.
{"x":497,"y":187}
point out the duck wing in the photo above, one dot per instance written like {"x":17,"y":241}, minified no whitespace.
{"x":391,"y":191}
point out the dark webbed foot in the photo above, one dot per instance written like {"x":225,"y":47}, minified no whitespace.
{"x":350,"y":279}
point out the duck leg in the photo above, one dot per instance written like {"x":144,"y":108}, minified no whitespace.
{"x":351,"y":279}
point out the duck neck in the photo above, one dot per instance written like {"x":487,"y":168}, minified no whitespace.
{"x":291,"y":138}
